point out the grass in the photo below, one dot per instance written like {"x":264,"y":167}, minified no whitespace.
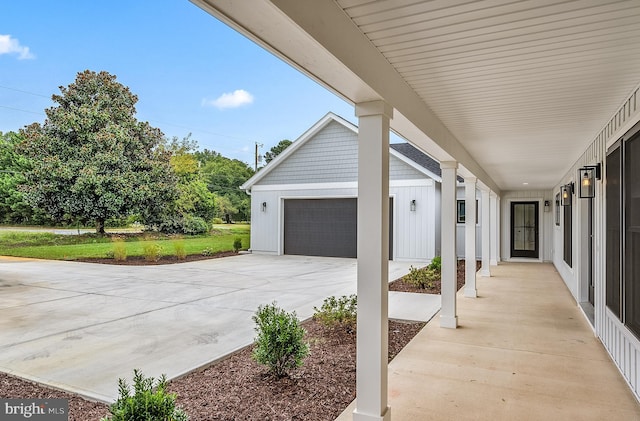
{"x":44,"y":245}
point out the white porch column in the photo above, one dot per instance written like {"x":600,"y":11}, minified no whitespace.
{"x":448,"y":314}
{"x":499,"y":228}
{"x":470,"y":236}
{"x":373,"y":261}
{"x":495,"y":228}
{"x":486,"y":236}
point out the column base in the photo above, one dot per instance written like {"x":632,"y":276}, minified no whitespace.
{"x":386,"y":416}
{"x":493,"y":262}
{"x":449,"y":322}
{"x":485,"y":272}
{"x":470,"y":292}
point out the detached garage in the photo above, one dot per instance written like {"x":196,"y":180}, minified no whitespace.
{"x":304,"y":202}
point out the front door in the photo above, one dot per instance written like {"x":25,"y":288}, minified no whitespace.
{"x":524,"y":229}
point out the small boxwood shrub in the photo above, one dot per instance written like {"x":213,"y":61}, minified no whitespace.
{"x":279,"y":344}
{"x":149,"y":402}
{"x":422,"y":277}
{"x":207,"y":252}
{"x":237,"y":244}
{"x":338,"y":312}
{"x":436,"y":264}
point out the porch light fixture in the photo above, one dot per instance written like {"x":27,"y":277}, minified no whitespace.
{"x":547,"y":206}
{"x":264,"y":206}
{"x":565,"y":194}
{"x":412,"y":205}
{"x":588,"y":176}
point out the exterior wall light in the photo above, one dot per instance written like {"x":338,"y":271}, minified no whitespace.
{"x":588,"y":176}
{"x":565,"y":194}
{"x":412,"y":205}
{"x":264,"y":206}
{"x":547,"y":206}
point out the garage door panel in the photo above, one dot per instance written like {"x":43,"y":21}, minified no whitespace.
{"x":324,"y":227}
{"x":320,"y":227}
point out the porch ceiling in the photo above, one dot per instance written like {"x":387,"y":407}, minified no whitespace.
{"x":514,"y":90}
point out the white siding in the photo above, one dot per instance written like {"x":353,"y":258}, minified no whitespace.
{"x":414,"y":231}
{"x":621,"y":344}
{"x":461,"y":230}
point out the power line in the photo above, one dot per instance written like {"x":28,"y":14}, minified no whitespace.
{"x":25,"y":92}
{"x":19,"y":109}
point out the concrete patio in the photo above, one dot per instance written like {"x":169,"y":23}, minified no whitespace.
{"x":523,"y":351}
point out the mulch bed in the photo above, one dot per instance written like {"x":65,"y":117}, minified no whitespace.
{"x":402,"y":286}
{"x":163,"y":260}
{"x":237,"y":388}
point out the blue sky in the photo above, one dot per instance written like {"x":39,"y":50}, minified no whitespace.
{"x":191,"y":73}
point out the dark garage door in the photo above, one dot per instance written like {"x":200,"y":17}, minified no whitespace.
{"x":323,"y":227}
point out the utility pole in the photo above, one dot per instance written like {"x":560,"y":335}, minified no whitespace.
{"x":258,"y":145}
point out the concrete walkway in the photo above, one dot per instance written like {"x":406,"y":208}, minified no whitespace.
{"x":81,"y":326}
{"x":523,"y":351}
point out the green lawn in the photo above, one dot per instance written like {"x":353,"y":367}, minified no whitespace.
{"x":45,"y":245}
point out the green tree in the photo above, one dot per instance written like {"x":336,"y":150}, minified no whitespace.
{"x":224,"y":176}
{"x":13,"y":207}
{"x":93,"y":160}
{"x":276,"y":150}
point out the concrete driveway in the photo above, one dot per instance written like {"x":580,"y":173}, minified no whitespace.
{"x":81,"y":326}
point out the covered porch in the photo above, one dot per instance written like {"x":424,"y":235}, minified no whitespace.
{"x":523,"y":350}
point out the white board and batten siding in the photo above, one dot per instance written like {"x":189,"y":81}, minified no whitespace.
{"x":620,"y":343}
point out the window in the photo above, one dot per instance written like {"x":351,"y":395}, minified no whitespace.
{"x":623,"y":230}
{"x":461,"y":211}
{"x":567,"y":230}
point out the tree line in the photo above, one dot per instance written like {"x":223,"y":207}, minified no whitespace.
{"x":93,"y":162}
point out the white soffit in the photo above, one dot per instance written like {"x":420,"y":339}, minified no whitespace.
{"x":525,"y":86}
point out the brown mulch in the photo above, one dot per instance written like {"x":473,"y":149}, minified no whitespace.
{"x":402,"y":286}
{"x":238,"y":388}
{"x":163,"y":260}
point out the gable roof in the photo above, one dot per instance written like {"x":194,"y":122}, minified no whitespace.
{"x":403,"y":151}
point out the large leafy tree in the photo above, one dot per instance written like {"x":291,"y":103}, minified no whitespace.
{"x":93,"y":160}
{"x":277,"y":150}
{"x":224,"y":176}
{"x":13,"y":207}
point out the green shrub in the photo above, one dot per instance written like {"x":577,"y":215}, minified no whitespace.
{"x":207,"y":252}
{"x":151,"y":251}
{"x":338,"y":312}
{"x":119,"y":250}
{"x":217,"y":221}
{"x":146,"y":404}
{"x":422,"y":277}
{"x":109,"y":254}
{"x":237,"y":244}
{"x":279,"y":344}
{"x":194,"y":225}
{"x":436,"y":264}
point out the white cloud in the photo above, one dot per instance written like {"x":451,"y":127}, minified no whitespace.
{"x":10,"y":45}
{"x":235,"y":99}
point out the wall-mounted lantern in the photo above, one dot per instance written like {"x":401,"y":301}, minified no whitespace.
{"x":412,"y":205}
{"x":264,"y":206}
{"x":547,"y":206}
{"x":588,"y":176}
{"x":565,"y":194}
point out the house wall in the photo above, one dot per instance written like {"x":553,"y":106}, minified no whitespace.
{"x":414,"y":231}
{"x":620,"y":343}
